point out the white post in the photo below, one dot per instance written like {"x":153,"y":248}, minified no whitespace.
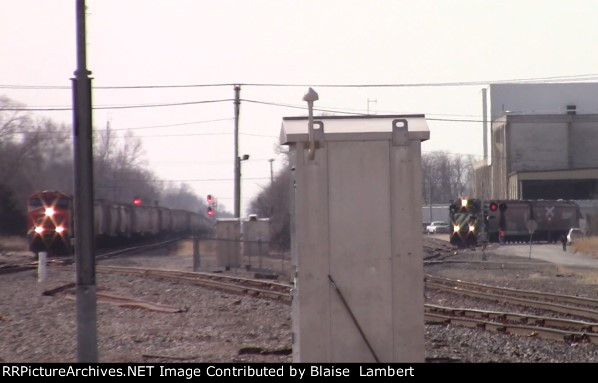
{"x":42,"y":273}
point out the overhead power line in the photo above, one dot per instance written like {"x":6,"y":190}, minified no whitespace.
{"x":196,"y":180}
{"x":68,"y":87}
{"x":585,"y":77}
{"x":571,"y":78}
{"x":204,"y":134}
{"x":300,"y":107}
{"x":345,"y":111}
{"x":171,"y":125}
{"x":303,"y":107}
{"x":101,"y":107}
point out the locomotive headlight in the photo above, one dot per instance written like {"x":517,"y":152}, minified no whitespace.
{"x":59,"y":229}
{"x":49,"y":211}
{"x":39,"y":229}
{"x":471,"y":228}
{"x":456,"y":228}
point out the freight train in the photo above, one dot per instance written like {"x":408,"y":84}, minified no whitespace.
{"x":50,"y":219}
{"x":474,"y":221}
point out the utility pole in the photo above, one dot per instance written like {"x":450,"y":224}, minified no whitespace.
{"x":237,"y":159}
{"x":271,"y":160}
{"x":485,"y":126}
{"x":375,"y":101}
{"x":87,"y":347}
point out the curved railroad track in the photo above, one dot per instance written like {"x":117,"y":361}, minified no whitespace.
{"x":564,"y":304}
{"x":515,"y":323}
{"x":562,"y":329}
{"x":503,"y":322}
{"x":253,"y":287}
{"x":100,"y":256}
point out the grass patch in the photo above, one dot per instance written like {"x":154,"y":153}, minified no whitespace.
{"x":13,"y":244}
{"x":184,"y":248}
{"x":587,"y":246}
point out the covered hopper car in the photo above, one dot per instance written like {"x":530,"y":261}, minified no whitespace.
{"x":50,"y":219}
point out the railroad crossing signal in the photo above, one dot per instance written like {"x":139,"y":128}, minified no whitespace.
{"x":495,"y":206}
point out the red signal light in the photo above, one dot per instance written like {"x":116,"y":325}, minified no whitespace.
{"x":137,"y":201}
{"x":210,"y":212}
{"x":493,"y":206}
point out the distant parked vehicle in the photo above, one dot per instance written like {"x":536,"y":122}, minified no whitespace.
{"x":425,"y":227}
{"x":573,"y":235}
{"x":437,"y":227}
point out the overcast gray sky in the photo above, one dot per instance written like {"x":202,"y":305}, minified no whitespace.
{"x":196,"y":42}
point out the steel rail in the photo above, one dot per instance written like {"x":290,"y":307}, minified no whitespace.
{"x":519,"y":293}
{"x":136,"y":249}
{"x":205,"y":275}
{"x":17,"y":268}
{"x":558,"y":323}
{"x":543,"y":332}
{"x":62,"y":261}
{"x":550,"y":306}
{"x":236,"y":284}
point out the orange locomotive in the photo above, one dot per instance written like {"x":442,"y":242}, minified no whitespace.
{"x":50,"y":216}
{"x":50,"y":222}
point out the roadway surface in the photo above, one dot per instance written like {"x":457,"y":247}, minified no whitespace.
{"x":552,"y":253}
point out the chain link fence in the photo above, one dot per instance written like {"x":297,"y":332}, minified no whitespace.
{"x":261,"y":258}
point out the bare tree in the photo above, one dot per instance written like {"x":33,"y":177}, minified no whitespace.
{"x":11,"y":120}
{"x":119,"y":169}
{"x":274,"y":202}
{"x":34,"y":153}
{"x":446,"y":176}
{"x":182,"y":198}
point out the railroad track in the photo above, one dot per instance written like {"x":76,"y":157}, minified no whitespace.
{"x":564,"y":304}
{"x":514,"y":323}
{"x":253,"y":287}
{"x":503,"y":322}
{"x":436,"y":249}
{"x":137,"y":249}
{"x":15,"y":268}
{"x":100,"y":256}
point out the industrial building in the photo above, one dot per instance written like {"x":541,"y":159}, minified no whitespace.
{"x":436,"y":212}
{"x":542,"y":144}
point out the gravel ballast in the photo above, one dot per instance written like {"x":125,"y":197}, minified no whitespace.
{"x":217,"y":326}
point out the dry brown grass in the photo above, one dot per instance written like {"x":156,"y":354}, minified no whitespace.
{"x":587,"y":246}
{"x":186,"y":248}
{"x":13,"y":244}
